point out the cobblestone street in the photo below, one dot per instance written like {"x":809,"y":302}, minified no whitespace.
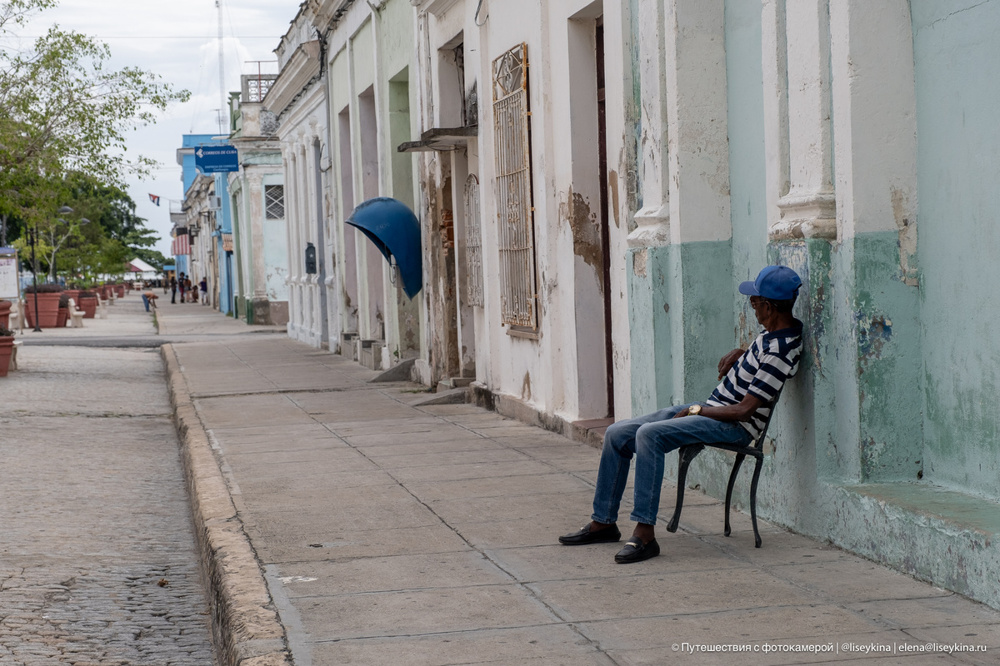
{"x":347,"y":521}
{"x":97,"y":562}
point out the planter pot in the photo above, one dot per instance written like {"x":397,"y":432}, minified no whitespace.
{"x":63,"y":317}
{"x":5,"y":307}
{"x":6,"y":350}
{"x":74,"y":294}
{"x":89,"y":306}
{"x":120,"y":290}
{"x":48,"y":309}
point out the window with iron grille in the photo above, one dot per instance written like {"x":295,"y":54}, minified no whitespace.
{"x":274,"y":202}
{"x":515,"y":224}
{"x":473,"y":242}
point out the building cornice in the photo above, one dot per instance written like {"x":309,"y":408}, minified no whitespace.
{"x":298,"y":72}
{"x":436,"y":7}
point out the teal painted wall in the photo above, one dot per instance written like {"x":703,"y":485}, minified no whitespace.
{"x":885,"y":317}
{"x":681,"y":321}
{"x":896,"y":391}
{"x":956,"y":52}
{"x":854,"y":413}
{"x":647,"y":327}
{"x":745,"y":95}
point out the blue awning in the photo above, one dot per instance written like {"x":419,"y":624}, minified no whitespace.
{"x":395,"y":231}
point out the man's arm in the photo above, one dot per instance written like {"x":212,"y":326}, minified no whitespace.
{"x":730,"y":413}
{"x":728,"y":360}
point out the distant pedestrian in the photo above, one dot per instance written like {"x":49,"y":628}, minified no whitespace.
{"x":203,"y":285}
{"x":173,"y":289}
{"x":181,"y":286}
{"x":187,"y":288}
{"x":194,"y":293}
{"x":149,"y":299}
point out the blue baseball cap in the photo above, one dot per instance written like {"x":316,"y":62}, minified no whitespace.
{"x":778,"y":283}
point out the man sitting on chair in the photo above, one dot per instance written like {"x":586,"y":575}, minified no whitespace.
{"x":735,"y":413}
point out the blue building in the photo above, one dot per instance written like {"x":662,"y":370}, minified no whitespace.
{"x":218,"y":250}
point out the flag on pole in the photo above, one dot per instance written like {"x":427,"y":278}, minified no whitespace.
{"x":155,"y":198}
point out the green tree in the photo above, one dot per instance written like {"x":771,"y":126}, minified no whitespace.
{"x":111,"y":236}
{"x":63,"y":110}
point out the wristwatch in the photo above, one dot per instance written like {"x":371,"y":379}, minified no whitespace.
{"x":694,"y":410}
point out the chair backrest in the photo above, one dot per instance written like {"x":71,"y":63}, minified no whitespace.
{"x":759,"y":442}
{"x":72,"y":305}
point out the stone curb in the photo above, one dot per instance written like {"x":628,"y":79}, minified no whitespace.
{"x":245,"y":625}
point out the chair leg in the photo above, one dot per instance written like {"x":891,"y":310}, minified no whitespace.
{"x":753,"y":501}
{"x":687,"y":454}
{"x":729,"y":488}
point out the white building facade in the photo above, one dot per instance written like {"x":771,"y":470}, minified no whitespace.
{"x":298,"y":100}
{"x":594,"y":178}
{"x":524,"y":213}
{"x":200,"y":211}
{"x":257,"y":192}
{"x":342,"y":99}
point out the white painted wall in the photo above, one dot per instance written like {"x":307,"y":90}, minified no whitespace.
{"x":562,"y":372}
{"x":302,"y":126}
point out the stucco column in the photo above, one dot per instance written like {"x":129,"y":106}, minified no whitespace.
{"x":875,"y":121}
{"x":310,"y":301}
{"x":680,"y":286}
{"x":684,"y":145}
{"x":294,"y":305}
{"x":875,"y":320}
{"x":697,"y":127}
{"x":255,"y":209}
{"x":653,"y":219}
{"x":797,"y":108}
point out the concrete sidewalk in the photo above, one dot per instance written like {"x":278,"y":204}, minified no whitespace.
{"x":343,"y":523}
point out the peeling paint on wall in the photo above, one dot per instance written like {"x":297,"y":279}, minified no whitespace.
{"x":906,"y":224}
{"x":586,"y":232}
{"x":873,"y":332}
{"x":639,"y":262}
{"x":744,"y":333}
{"x":613,"y":190}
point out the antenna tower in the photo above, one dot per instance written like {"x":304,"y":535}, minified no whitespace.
{"x":222,"y":73}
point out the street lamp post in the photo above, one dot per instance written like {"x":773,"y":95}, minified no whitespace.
{"x":34,"y":275}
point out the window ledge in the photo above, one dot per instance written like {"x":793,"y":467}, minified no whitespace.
{"x":523,"y":332}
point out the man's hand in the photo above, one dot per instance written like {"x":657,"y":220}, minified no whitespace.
{"x":728,"y":360}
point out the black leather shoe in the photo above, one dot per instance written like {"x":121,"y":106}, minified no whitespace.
{"x":608,"y":534}
{"x":637,"y":551}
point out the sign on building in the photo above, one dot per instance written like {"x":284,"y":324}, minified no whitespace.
{"x":8,"y":273}
{"x":216,"y":159}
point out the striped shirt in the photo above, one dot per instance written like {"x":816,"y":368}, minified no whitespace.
{"x":761,"y":371}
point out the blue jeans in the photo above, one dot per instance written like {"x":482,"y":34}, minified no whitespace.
{"x":649,"y":438}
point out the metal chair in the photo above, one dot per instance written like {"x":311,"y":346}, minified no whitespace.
{"x":754,"y":448}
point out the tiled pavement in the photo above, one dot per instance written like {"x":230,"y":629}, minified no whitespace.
{"x":394,"y":533}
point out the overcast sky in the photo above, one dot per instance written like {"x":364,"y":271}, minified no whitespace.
{"x":177,"y":40}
